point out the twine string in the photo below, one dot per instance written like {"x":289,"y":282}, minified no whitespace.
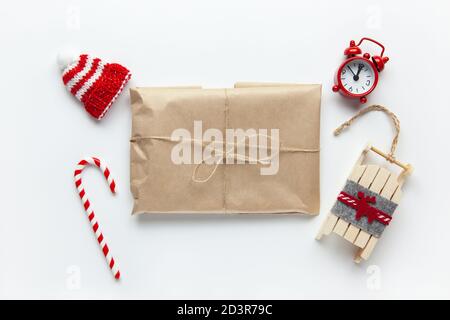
{"x":375,"y":107}
{"x":229,"y":152}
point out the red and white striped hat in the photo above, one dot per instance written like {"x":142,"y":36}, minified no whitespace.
{"x":94,"y":82}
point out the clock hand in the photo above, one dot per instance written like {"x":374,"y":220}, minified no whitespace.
{"x":356,"y":76}
{"x":351,"y":71}
{"x":360,"y":67}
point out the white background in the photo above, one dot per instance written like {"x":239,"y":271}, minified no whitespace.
{"x":47,"y":249}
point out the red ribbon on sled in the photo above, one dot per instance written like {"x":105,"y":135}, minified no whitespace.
{"x":363,"y":207}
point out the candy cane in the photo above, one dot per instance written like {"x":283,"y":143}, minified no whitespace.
{"x":87,"y":206}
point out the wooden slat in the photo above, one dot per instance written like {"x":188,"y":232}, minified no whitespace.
{"x":387,"y":185}
{"x":352,"y":233}
{"x":380,"y":180}
{"x":365,"y":253}
{"x":376,"y":186}
{"x":327,"y":226}
{"x":362,"y":239}
{"x":369,"y":175}
{"x":357,"y":173}
{"x":397,"y":195}
{"x":368,"y":179}
{"x":332,"y":219}
{"x":390,"y":187}
{"x":357,"y":259}
{"x":330,"y":226}
{"x":374,"y":178}
{"x":341,"y":227}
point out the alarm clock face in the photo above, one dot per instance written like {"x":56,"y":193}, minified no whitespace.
{"x":357,"y":77}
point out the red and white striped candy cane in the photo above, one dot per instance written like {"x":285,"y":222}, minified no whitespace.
{"x":87,"y":206}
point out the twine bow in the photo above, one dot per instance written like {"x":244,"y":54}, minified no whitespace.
{"x":230,"y":153}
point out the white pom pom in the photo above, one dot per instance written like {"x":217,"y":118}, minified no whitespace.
{"x":65,"y":58}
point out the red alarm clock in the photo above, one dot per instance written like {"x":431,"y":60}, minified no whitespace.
{"x":357,"y":76}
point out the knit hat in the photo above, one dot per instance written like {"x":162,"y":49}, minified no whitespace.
{"x":94,"y":82}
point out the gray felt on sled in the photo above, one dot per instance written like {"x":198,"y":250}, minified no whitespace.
{"x":347,"y":213}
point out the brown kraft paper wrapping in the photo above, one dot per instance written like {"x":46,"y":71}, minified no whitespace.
{"x":160,"y":185}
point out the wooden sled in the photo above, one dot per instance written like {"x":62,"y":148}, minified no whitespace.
{"x":378,"y":180}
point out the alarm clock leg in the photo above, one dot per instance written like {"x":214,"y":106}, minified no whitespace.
{"x":363,"y":99}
